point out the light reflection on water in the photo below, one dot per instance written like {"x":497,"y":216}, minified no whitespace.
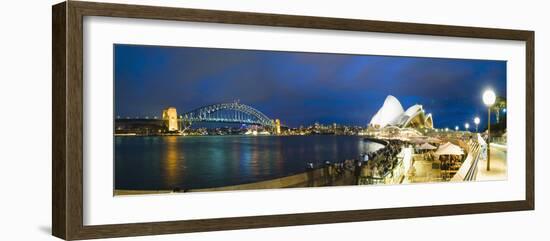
{"x":174,"y":164}
{"x":199,"y":162}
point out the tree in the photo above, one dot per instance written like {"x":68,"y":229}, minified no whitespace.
{"x":500,"y":104}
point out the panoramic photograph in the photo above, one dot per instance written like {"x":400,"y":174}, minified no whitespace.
{"x":191,"y":119}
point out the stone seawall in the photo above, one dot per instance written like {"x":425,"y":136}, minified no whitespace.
{"x":312,"y":178}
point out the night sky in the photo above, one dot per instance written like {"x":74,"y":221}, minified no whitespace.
{"x":301,"y":88}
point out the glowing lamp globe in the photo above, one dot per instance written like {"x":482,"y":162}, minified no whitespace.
{"x":476,"y":120}
{"x":489,"y":97}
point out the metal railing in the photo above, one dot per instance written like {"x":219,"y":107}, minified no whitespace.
{"x":475,"y":150}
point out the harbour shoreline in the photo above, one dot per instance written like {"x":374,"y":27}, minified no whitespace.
{"x":318,"y":177}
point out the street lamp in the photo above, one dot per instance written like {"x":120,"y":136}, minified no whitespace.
{"x":489,"y":98}
{"x":467,"y":126}
{"x":456,"y":128}
{"x":476,"y":121}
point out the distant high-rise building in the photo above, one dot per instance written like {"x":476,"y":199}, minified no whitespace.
{"x":316,"y":126}
{"x":170,"y":115}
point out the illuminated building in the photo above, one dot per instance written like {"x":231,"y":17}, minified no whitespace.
{"x":392,"y":114}
{"x":277,"y":126}
{"x":170,"y":116}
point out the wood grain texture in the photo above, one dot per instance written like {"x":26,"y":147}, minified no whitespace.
{"x":530,"y":120}
{"x":74,"y":108}
{"x":264,"y":19}
{"x":67,"y":196}
{"x":58,"y":121}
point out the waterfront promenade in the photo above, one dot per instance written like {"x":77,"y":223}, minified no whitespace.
{"x":498,"y":165}
{"x":424,"y":172}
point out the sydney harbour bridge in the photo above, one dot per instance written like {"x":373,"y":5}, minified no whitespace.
{"x":231,"y":113}
{"x":234,"y":112}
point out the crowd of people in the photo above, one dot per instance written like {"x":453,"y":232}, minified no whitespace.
{"x":450,"y":163}
{"x":371,"y":165}
{"x":429,"y":155}
{"x":383,"y":160}
{"x":374,"y":167}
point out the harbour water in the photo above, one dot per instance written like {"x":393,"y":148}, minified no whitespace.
{"x":185,"y":162}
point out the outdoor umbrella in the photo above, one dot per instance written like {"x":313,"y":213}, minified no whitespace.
{"x":426,"y":146}
{"x":449,"y":149}
{"x":417,"y":140}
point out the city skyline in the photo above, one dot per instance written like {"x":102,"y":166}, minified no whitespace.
{"x":301,"y":88}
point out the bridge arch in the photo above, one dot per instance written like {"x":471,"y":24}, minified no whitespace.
{"x":228,"y":113}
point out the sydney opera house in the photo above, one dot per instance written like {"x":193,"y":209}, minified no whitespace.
{"x":392,"y":114}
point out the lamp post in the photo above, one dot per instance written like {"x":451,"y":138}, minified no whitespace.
{"x":489,"y":98}
{"x":456,"y":128}
{"x":476,"y":121}
{"x":467,"y":126}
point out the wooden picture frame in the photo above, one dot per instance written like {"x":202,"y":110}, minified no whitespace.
{"x":67,"y":124}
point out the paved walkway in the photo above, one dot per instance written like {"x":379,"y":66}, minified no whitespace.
{"x":423,"y":172}
{"x":498,"y":165}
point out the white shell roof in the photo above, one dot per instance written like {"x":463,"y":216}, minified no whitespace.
{"x":389,"y":114}
{"x":413,"y":110}
{"x":392,"y":113}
